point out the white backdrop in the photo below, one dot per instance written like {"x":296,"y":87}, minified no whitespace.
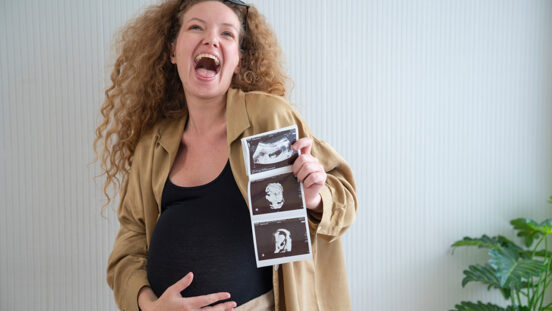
{"x":443,"y":109}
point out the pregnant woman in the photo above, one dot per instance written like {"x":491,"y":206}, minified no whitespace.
{"x":190,"y":80}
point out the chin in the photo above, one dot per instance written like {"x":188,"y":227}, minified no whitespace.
{"x":208,"y":90}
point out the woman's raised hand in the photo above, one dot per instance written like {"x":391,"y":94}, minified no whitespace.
{"x":310,"y":172}
{"x":172,"y":300}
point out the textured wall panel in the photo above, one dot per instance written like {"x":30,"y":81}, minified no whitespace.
{"x":442,"y":108}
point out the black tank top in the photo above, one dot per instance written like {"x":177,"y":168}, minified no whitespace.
{"x":206,"y":230}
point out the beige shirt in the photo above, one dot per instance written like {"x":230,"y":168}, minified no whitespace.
{"x":318,"y":284}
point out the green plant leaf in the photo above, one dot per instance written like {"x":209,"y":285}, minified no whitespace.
{"x":546,"y":226}
{"x":483,"y":242}
{"x":526,"y":230}
{"x":506,"y":243}
{"x":511,"y":269}
{"x":529,"y":230}
{"x":477,"y":273}
{"x":541,"y":253}
{"x":487,"y":275}
{"x":479,"y":306}
{"x":488,"y":242}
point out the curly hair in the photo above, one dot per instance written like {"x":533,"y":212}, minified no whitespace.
{"x":146,"y":87}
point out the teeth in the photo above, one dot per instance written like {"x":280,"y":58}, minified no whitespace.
{"x":213,"y":57}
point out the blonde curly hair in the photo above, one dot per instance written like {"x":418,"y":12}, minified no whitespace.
{"x":146,"y":87}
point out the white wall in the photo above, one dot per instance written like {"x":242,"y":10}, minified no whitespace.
{"x":442,"y":108}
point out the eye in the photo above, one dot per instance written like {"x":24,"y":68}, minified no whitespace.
{"x":228,"y":34}
{"x":194,"y":27}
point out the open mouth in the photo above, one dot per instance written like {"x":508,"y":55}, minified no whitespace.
{"x":207,"y":65}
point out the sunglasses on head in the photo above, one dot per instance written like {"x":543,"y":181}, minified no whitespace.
{"x":240,"y":3}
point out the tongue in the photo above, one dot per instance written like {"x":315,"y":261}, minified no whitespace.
{"x":206,"y":73}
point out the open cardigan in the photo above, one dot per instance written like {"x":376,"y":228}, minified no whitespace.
{"x":317,"y":284}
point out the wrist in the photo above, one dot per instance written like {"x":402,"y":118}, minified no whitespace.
{"x":315,"y":205}
{"x":146,"y":297}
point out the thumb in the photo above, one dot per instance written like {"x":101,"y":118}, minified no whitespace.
{"x":184,"y":282}
{"x":304,"y":144}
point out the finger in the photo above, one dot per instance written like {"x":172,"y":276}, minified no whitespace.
{"x":183,"y":282}
{"x":205,"y":300}
{"x":307,"y":169}
{"x":300,"y":161}
{"x":229,"y":305}
{"x":317,"y":178}
{"x":303,"y":144}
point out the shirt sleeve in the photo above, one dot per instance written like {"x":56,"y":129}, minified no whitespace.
{"x":126,"y":271}
{"x":339,"y":201}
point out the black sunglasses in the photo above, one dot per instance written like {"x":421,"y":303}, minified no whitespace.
{"x":240,"y":3}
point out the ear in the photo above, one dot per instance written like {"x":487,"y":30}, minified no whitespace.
{"x":237,"y":69}
{"x":173,"y":58}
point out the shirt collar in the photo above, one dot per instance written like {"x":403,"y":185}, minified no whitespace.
{"x":237,"y":121}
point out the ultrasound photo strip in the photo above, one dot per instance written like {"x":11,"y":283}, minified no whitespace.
{"x":276,"y":198}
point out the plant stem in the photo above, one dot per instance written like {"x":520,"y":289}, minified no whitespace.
{"x":535,"y":291}
{"x":518,"y":298}
{"x":546,"y":272}
{"x":532,"y":290}
{"x":538,"y":243}
{"x":536,"y":297}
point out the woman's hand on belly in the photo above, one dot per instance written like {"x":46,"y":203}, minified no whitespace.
{"x":172,"y":300}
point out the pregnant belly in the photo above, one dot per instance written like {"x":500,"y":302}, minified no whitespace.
{"x":218,"y":249}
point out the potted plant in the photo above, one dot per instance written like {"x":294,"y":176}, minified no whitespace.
{"x":522,"y":273}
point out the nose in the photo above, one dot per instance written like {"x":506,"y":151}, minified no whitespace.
{"x":211,"y":39}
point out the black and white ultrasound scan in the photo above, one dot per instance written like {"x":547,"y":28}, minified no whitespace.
{"x":271,"y":150}
{"x":276,"y":194}
{"x":281,"y":238}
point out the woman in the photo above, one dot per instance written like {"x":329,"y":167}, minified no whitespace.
{"x":191,"y":79}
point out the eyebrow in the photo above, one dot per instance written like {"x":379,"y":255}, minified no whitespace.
{"x":230,"y":25}
{"x":204,"y":22}
{"x":197,"y":19}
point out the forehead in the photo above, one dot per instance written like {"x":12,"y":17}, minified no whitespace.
{"x":212,"y":12}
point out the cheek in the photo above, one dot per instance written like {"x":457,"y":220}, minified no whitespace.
{"x":233,"y":55}
{"x":183,"y":48}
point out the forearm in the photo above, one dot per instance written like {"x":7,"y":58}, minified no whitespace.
{"x":146,"y":297}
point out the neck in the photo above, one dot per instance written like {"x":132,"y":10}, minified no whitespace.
{"x":205,"y":115}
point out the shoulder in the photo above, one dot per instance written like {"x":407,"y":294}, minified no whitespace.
{"x":258,"y":102}
{"x":269,"y":110}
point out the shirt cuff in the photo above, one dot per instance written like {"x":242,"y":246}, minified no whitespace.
{"x":136,"y":281}
{"x":320,"y":223}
